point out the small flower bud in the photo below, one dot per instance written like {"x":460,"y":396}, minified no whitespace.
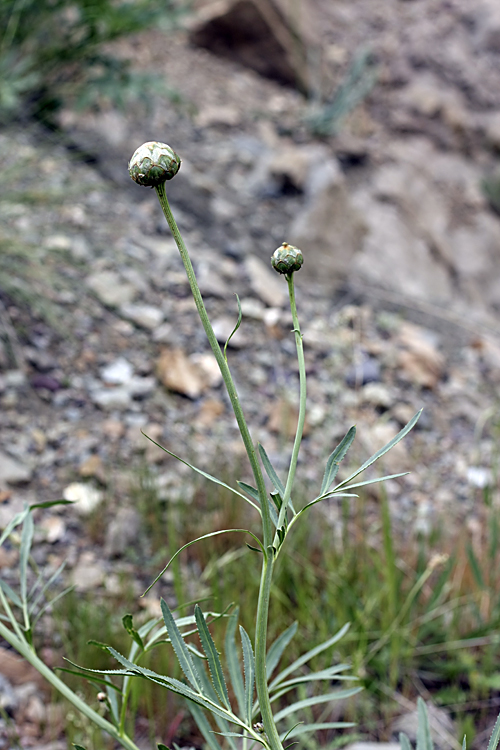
{"x":287,"y":259}
{"x":153,"y":164}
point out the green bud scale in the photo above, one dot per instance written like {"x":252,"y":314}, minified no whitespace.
{"x":153,"y":164}
{"x":287,"y":259}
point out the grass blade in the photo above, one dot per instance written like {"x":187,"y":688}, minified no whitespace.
{"x":424,"y":739}
{"x":333,"y":463}
{"x":24,"y":552}
{"x":214,"y":664}
{"x":249,"y":667}
{"x":8,"y":591}
{"x":303,"y":728}
{"x":233,"y":663}
{"x":277,"y":648}
{"x":309,"y":655}
{"x":387,"y":447}
{"x":315,"y":700}
{"x":180,"y":648}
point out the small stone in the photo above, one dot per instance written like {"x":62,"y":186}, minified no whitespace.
{"x":420,"y":362}
{"x":180,"y":374}
{"x":123,"y":531}
{"x":113,"y":429}
{"x":13,"y":471}
{"x":54,"y":528}
{"x":110,"y":288}
{"x":270,"y":288}
{"x":377,"y":394}
{"x":42,"y":381}
{"x":118,"y":372}
{"x":93,"y":467}
{"x":145,"y":316}
{"x":211,"y":409}
{"x":86,"y":497}
{"x":479,"y":476}
{"x":88,"y":573}
{"x":366,"y":371}
{"x":110,"y":399}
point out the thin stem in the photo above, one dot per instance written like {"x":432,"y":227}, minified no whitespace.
{"x":261,"y":652}
{"x":223,"y":366}
{"x":302,"y":406}
{"x":27,"y":653}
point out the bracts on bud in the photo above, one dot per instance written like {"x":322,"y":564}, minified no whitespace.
{"x":287,"y":259}
{"x":153,"y":164}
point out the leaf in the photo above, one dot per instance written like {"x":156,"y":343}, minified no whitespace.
{"x":325,"y":674}
{"x":475,"y":567}
{"x":333,"y":463}
{"x":315,"y":700}
{"x":464,"y":743}
{"x":277,"y":648}
{"x":249,"y":668}
{"x":127,"y":622}
{"x":180,"y":648}
{"x":404,"y":742}
{"x":10,"y":593}
{"x":240,"y":316}
{"x":113,"y":704}
{"x":253,"y":493}
{"x":161,"y":746}
{"x":309,"y":655}
{"x":78,"y":747}
{"x":90,"y":677}
{"x":495,"y":736}
{"x":424,"y":739}
{"x":232,"y":661}
{"x":198,"y":539}
{"x":214,"y":664}
{"x":271,"y":473}
{"x":203,"y":726}
{"x":203,"y":473}
{"x":303,"y":728}
{"x":387,"y":447}
{"x":15,"y":521}
{"x":24,"y":551}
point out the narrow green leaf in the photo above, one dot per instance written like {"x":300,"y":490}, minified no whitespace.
{"x":475,"y":567}
{"x":495,"y":736}
{"x":214,"y":664}
{"x":249,"y":668}
{"x":127,"y":622}
{"x":180,"y":648}
{"x":333,"y":463}
{"x":315,"y":700}
{"x":24,"y":552}
{"x":90,"y":678}
{"x":198,"y":539}
{"x":240,"y":316}
{"x":404,"y":742}
{"x":8,"y":591}
{"x":464,"y":743}
{"x":232,"y":661}
{"x":212,"y":696}
{"x":113,"y":704}
{"x":387,"y":447}
{"x":203,"y":473}
{"x":309,"y":655}
{"x":78,"y":747}
{"x":51,"y":503}
{"x":299,"y":729}
{"x":324,"y":497}
{"x":253,"y":493}
{"x":277,"y":648}
{"x":203,"y":725}
{"x":424,"y":739}
{"x":326,"y":674}
{"x":273,"y":476}
{"x":161,"y":746}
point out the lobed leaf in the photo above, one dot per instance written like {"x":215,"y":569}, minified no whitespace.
{"x":333,"y":463}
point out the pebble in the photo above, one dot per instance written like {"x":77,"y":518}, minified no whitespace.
{"x":86,"y":497}
{"x":110,"y":289}
{"x":118,"y":372}
{"x":144,"y":316}
{"x":13,"y":471}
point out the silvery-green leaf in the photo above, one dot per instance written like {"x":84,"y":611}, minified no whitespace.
{"x":495,"y":736}
{"x":233,"y":663}
{"x":404,"y":742}
{"x":10,"y":593}
{"x":424,"y":739}
{"x":315,"y":700}
{"x":24,"y":551}
{"x":203,"y":726}
{"x":273,"y":476}
{"x":214,"y":664}
{"x":308,"y":656}
{"x":253,"y":493}
{"x":113,"y":704}
{"x":277,"y":648}
{"x":249,"y":668}
{"x":333,"y":463}
{"x":299,"y":729}
{"x":180,"y":648}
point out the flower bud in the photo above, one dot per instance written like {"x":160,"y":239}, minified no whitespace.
{"x":153,"y":164}
{"x":287,"y":259}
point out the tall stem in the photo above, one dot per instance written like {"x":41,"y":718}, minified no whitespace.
{"x":261,"y":652}
{"x":23,"y":648}
{"x":223,"y":366}
{"x":302,"y":406}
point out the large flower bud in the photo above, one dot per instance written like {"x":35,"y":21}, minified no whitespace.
{"x":153,"y":164}
{"x":287,"y":259}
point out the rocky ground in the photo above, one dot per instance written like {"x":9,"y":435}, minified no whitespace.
{"x":106,"y":343}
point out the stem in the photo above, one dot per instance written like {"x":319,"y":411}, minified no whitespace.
{"x":261,"y":652}
{"x":223,"y":366}
{"x":27,"y":653}
{"x":302,"y":406}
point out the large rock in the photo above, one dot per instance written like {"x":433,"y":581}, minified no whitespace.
{"x":328,"y":229}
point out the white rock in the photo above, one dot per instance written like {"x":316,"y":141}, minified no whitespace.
{"x":109,"y":399}
{"x":110,"y":288}
{"x":13,"y":471}
{"x":145,"y":316}
{"x":118,"y":372}
{"x":85,"y":496}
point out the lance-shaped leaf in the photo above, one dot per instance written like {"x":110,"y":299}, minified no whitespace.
{"x":214,"y":664}
{"x":299,"y":729}
{"x":308,"y":656}
{"x":387,"y":447}
{"x":277,"y":648}
{"x":495,"y":736}
{"x":273,"y":476}
{"x":255,"y":495}
{"x":127,"y":622}
{"x":404,"y":742}
{"x":24,"y":552}
{"x":249,"y":667}
{"x":233,"y":663}
{"x":424,"y":739}
{"x":180,"y":648}
{"x":315,"y":700}
{"x":325,"y":674}
{"x":212,"y":695}
{"x":333,"y":463}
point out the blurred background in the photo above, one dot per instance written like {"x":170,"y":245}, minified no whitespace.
{"x":368,"y":134}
